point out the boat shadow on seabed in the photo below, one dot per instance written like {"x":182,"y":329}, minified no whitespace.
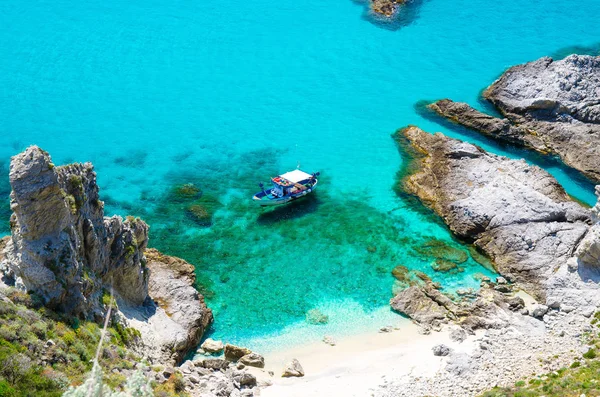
{"x":295,"y":209}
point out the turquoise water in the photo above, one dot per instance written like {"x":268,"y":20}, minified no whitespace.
{"x":223,"y":95}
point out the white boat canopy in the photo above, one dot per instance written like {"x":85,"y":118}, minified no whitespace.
{"x":296,"y":176}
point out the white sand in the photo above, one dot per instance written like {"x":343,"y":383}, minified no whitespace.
{"x":357,"y":364}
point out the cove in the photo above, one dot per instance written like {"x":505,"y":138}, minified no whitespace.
{"x":222,"y":96}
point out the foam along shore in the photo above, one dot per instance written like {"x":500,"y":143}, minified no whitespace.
{"x":359,"y":364}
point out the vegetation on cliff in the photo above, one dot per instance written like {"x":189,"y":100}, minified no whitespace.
{"x":580,"y":379}
{"x":42,"y":352}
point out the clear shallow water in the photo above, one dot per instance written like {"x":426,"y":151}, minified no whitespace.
{"x":157,"y":94}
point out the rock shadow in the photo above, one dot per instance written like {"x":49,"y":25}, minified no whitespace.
{"x":562,"y":53}
{"x":5,"y":211}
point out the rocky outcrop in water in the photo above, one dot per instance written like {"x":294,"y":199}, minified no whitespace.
{"x":62,"y":247}
{"x":538,"y":238}
{"x":514,"y":212}
{"x":386,"y":8}
{"x":550,"y":106}
{"x":66,"y":252}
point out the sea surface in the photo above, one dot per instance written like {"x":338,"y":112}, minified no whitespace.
{"x":185,"y":106}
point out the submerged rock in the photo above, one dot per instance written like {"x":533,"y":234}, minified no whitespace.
{"x":386,"y":8}
{"x":293,"y":369}
{"x":316,"y":317}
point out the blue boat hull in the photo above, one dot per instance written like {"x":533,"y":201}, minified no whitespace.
{"x":266,"y":199}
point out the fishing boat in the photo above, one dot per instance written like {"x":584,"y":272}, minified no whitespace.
{"x":286,"y":188}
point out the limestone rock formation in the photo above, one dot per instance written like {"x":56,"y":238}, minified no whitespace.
{"x":514,"y":212}
{"x":550,"y":106}
{"x":234,"y":353}
{"x":494,"y":127}
{"x":588,"y":252}
{"x":64,"y":250}
{"x":423,"y":304}
{"x":173,"y":321}
{"x":62,"y":247}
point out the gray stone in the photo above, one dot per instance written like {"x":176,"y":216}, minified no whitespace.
{"x":440,"y":350}
{"x":538,"y":310}
{"x":253,"y":360}
{"x":458,"y":335}
{"x":215,"y":363}
{"x":588,"y":311}
{"x":516,"y":213}
{"x":293,"y":369}
{"x":212,"y":346}
{"x":234,"y":353}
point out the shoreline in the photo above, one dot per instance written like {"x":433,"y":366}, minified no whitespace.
{"x":358,"y":364}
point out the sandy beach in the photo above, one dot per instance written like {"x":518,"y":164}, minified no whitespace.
{"x":356,"y":365}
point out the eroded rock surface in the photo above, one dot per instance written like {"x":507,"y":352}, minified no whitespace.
{"x":550,"y":106}
{"x":64,"y":250}
{"x":62,"y":247}
{"x":175,"y":317}
{"x":514,"y":212}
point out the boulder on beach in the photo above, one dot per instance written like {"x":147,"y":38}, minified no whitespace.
{"x":293,"y":369}
{"x":212,"y":346}
{"x":234,"y":353}
{"x":253,"y":360}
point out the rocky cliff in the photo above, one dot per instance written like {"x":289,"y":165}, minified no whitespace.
{"x":66,"y":252}
{"x":514,"y":212}
{"x":62,"y":247}
{"x":550,"y":106}
{"x":539,"y":239}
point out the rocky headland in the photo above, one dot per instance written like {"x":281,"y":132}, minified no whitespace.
{"x":65,"y":256}
{"x":540,"y":241}
{"x":549,"y":106}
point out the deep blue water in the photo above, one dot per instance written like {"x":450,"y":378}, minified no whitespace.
{"x":223,"y":95}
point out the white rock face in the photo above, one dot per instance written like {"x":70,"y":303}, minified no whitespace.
{"x":556,"y":106}
{"x":173,"y":321}
{"x":549,"y":89}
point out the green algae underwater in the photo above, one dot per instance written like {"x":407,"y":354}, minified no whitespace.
{"x":261,"y":270}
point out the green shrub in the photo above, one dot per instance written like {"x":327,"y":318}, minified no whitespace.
{"x":575,"y":364}
{"x":590,"y":354}
{"x":7,"y":390}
